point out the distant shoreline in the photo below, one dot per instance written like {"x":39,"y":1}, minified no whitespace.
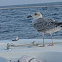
{"x":30,"y":7}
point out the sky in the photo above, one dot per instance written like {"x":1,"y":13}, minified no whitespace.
{"x":19,"y":2}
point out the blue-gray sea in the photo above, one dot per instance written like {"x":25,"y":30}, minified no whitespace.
{"x":14,"y":22}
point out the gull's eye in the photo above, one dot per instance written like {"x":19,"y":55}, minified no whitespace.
{"x":35,"y":13}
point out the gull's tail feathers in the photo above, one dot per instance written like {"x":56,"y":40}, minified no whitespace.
{"x":60,"y":24}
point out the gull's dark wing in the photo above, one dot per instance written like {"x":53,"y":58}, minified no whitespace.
{"x":45,"y":24}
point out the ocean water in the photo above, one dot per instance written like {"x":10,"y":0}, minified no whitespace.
{"x":14,"y":22}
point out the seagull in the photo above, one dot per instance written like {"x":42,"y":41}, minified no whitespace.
{"x":45,"y":25}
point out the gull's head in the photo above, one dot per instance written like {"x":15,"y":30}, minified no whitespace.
{"x":35,"y":15}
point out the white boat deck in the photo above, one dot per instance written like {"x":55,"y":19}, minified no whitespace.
{"x":24,"y":47}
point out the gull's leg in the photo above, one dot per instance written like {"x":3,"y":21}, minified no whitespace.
{"x":51,"y":39}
